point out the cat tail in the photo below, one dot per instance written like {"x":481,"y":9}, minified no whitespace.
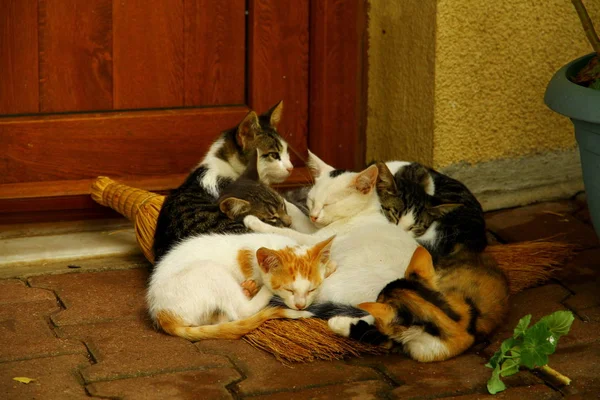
{"x":325,"y":310}
{"x":173,"y":324}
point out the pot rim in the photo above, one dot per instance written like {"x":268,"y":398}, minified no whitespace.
{"x":570,"y":99}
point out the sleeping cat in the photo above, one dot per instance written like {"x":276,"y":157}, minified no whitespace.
{"x":369,"y":251}
{"x":196,"y":290}
{"x":182,"y":215}
{"x":438,"y":211}
{"x":434,"y":313}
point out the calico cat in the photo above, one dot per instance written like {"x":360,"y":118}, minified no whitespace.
{"x":438,"y":211}
{"x":182,"y":214}
{"x":369,"y":251}
{"x":434,"y":313}
{"x":196,"y":289}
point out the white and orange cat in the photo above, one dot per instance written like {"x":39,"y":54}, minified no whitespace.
{"x":196,"y":289}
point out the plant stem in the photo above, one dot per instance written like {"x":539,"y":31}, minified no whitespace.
{"x":588,"y":27}
{"x":555,"y":374}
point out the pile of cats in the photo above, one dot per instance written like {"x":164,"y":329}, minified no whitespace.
{"x":391,"y":255}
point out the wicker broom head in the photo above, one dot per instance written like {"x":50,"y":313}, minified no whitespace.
{"x":526,"y":264}
{"x":139,"y":206}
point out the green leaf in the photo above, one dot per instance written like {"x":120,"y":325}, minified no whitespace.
{"x":510,"y":367}
{"x":522,"y":326}
{"x":495,"y":360}
{"x":507,"y":345}
{"x":495,"y":385}
{"x":538,"y":343}
{"x":558,"y":323}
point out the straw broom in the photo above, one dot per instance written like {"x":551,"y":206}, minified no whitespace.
{"x":526,"y":264}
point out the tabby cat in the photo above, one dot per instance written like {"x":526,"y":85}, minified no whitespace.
{"x":182,"y":214}
{"x":434,"y":313}
{"x":196,"y":291}
{"x":438,"y":211}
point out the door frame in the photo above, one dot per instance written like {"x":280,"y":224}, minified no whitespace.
{"x":337,"y":106}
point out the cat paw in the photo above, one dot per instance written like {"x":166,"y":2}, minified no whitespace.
{"x":250,"y":288}
{"x":253,"y":223}
{"x":341,"y":325}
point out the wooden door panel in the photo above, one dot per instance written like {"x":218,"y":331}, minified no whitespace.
{"x":74,"y":147}
{"x":75,"y":55}
{"x":168,"y":76}
{"x":278,"y":61}
{"x":148,"y":54}
{"x":215,"y":52}
{"x":19,"y":56}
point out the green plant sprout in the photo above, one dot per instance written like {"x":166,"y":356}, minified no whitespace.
{"x":530,"y":347}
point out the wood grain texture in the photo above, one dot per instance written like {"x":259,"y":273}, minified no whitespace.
{"x":19,"y":56}
{"x":75,"y":55}
{"x":278,"y":49}
{"x":338,"y":82}
{"x":215,"y":52}
{"x":75,"y":147}
{"x":148,"y":52}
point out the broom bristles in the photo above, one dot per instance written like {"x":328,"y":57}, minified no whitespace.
{"x":530,"y":263}
{"x":139,"y":206}
{"x":306,"y":340}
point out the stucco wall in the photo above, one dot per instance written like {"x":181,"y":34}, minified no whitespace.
{"x":493,"y":61}
{"x":462,"y":81}
{"x":401,"y":75}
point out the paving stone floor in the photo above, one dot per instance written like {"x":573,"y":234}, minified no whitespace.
{"x":85,"y":334}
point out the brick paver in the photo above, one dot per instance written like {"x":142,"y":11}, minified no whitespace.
{"x":197,"y":385}
{"x":540,"y":221}
{"x":97,"y":297}
{"x":265,"y":374}
{"x":364,"y":390}
{"x":55,"y":378}
{"x":87,"y":334}
{"x":128,"y":348}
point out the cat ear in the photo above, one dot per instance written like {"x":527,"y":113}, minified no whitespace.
{"x":234,"y":207}
{"x":274,"y":114}
{"x":385,"y":180}
{"x":267,"y":259}
{"x":442,"y":209}
{"x":424,"y":178}
{"x":317,"y":166}
{"x":322,"y":251}
{"x":247,"y":129}
{"x":421,"y":265}
{"x":366,"y":180}
{"x":251,"y":171}
{"x":381,"y":311}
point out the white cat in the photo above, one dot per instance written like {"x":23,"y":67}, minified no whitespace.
{"x":196,"y":290}
{"x":368,"y":250}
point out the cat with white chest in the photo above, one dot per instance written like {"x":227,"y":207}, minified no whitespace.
{"x":368,"y":250}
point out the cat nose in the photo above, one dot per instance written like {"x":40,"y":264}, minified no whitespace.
{"x":313,"y":218}
{"x":300,"y":306}
{"x":289,"y":169}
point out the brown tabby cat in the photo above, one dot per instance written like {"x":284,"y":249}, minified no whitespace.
{"x":434,"y":313}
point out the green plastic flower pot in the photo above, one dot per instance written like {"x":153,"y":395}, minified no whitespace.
{"x":582,"y":105}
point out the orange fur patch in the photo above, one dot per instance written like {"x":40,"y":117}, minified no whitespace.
{"x":245,"y":260}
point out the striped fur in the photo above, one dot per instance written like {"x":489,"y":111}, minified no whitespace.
{"x":435,"y":314}
{"x":438,"y":211}
{"x":192,"y":209}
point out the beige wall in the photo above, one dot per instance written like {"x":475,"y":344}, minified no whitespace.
{"x":493,"y":62}
{"x":460,"y":83}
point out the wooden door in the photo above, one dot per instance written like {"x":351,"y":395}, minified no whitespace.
{"x":137,"y":89}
